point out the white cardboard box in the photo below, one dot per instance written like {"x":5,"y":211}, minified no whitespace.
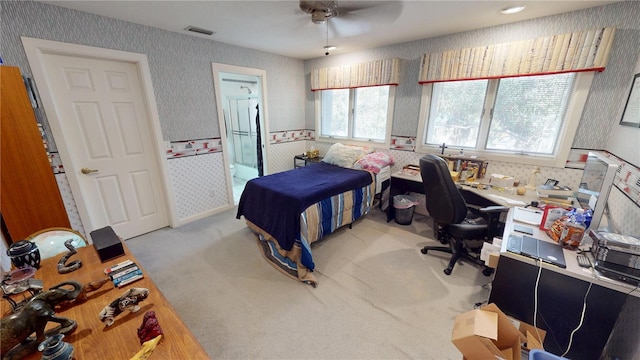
{"x":501,"y":180}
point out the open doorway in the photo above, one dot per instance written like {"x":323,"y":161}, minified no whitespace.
{"x":240,"y":100}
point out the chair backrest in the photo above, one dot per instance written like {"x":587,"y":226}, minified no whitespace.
{"x":444,"y":202}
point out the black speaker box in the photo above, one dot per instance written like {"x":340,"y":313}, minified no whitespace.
{"x":107,"y":243}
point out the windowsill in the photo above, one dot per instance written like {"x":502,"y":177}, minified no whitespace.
{"x":538,"y":160}
{"x":344,"y":141}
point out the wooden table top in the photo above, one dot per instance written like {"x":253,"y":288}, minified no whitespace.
{"x":92,"y":339}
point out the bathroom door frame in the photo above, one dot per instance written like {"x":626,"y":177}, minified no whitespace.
{"x":264,"y":122}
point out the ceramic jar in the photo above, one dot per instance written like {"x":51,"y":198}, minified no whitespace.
{"x":24,"y":253}
{"x":53,"y":348}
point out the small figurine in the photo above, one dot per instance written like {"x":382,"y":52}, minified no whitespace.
{"x":147,"y":349}
{"x":127,"y":301}
{"x":64,"y":268}
{"x":16,"y":329}
{"x":53,"y":348}
{"x":150,"y":328}
{"x":531,"y":184}
{"x":91,"y":286}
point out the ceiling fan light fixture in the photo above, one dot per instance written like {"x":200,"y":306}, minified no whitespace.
{"x":512,"y":9}
{"x":330,"y":47}
{"x":318,"y":17}
{"x":320,"y":10}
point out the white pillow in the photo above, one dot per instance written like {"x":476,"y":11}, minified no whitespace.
{"x":342,"y":155}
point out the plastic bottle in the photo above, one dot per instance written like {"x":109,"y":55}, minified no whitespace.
{"x":574,"y":229}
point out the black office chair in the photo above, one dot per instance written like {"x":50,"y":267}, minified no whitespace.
{"x":464,"y":228}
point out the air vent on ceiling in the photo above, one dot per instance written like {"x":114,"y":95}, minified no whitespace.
{"x":198,"y":30}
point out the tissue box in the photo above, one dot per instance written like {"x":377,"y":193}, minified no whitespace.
{"x":501,"y":180}
{"x":107,"y":243}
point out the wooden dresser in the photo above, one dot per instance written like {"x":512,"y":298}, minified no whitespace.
{"x":92,"y":339}
{"x":30,"y":199}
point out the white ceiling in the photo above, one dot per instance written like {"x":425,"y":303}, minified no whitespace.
{"x":279,"y":26}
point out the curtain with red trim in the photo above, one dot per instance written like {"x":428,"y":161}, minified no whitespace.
{"x":572,"y":52}
{"x":374,"y":73}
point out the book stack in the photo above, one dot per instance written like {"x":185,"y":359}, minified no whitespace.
{"x":124,"y":273}
{"x":555,"y":191}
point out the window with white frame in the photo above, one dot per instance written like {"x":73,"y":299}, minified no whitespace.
{"x":355,"y":114}
{"x":526,"y":115}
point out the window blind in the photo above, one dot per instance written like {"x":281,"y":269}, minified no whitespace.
{"x":571,"y":52}
{"x":374,"y":73}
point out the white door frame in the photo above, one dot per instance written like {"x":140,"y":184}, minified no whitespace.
{"x":35,"y":50}
{"x":262,"y":74}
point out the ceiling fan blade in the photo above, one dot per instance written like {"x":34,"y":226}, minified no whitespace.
{"x":374,"y":11}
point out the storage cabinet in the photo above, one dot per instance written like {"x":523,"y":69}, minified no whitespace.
{"x":29,"y":196}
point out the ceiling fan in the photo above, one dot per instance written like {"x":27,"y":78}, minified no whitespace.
{"x":351,"y":18}
{"x":373,"y":11}
{"x":320,"y":10}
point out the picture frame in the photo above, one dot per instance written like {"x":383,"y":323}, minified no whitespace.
{"x":631,"y":112}
{"x":551,"y":182}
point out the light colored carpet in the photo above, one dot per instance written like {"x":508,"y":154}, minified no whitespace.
{"x":378,"y":297}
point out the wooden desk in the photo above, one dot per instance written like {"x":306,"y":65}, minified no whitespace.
{"x":560,"y":295}
{"x":401,"y":184}
{"x":92,"y":339}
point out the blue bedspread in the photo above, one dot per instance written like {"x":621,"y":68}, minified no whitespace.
{"x":274,"y":202}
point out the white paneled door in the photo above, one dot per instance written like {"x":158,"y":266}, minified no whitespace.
{"x":102,"y":114}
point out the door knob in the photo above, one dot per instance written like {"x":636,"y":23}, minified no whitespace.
{"x":87,"y":171}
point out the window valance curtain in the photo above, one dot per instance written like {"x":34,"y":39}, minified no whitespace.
{"x":374,"y":73}
{"x":572,"y":52}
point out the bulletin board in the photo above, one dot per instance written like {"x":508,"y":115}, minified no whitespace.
{"x":631,"y":113}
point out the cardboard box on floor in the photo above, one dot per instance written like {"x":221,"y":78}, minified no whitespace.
{"x":487,"y":333}
{"x":535,"y":336}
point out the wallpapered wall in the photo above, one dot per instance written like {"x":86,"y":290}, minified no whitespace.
{"x":180,"y":64}
{"x":607,"y":94}
{"x":182,"y":77}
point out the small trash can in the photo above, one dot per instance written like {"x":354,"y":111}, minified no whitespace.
{"x":404,"y":206}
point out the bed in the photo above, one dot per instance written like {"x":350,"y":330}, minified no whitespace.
{"x":291,"y":210}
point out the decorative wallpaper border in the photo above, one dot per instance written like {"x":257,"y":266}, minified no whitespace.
{"x":212,"y":145}
{"x":277,"y":137}
{"x":193,"y":147}
{"x":56,"y":163}
{"x":627,"y":178}
{"x":403,"y":143}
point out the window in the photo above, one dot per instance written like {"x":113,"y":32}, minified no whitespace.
{"x":503,"y":118}
{"x":356,"y":115}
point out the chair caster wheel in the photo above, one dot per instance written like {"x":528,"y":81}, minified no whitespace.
{"x":487,"y":271}
{"x":424,"y":251}
{"x":447,"y":271}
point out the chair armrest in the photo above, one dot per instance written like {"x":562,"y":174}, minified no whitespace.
{"x":494,"y":209}
{"x":493,"y":214}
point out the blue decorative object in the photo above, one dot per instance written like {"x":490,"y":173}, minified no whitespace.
{"x":54,"y":348}
{"x":24,"y":253}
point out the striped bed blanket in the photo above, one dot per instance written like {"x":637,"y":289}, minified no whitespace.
{"x":316,"y":221}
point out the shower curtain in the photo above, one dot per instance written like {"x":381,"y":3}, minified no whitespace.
{"x":259,"y":143}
